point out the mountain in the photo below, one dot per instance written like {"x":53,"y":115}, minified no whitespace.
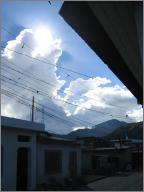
{"x":132,"y":130}
{"x":99,"y":130}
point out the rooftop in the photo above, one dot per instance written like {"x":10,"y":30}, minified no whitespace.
{"x":105,"y":148}
{"x":21,"y":124}
{"x":43,"y":136}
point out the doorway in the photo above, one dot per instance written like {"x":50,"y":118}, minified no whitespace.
{"x":73,"y":164}
{"x":22,"y":169}
{"x":95,"y":162}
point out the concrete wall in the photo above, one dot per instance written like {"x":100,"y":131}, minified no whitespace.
{"x":124,"y":157}
{"x":87,"y":165}
{"x":10,"y":148}
{"x":36,"y":172}
{"x":42,"y":178}
{"x":86,"y":162}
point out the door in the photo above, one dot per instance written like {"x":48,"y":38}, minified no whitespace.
{"x":95,"y":162}
{"x":22,"y":169}
{"x":73,"y":164}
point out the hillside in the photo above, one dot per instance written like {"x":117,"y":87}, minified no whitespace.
{"x":132,"y":130}
{"x":99,"y":130}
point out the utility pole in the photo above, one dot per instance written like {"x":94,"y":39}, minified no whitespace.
{"x":43,"y":115}
{"x":33,"y":109}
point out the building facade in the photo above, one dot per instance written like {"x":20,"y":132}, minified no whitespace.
{"x":31,"y":156}
{"x":101,"y":156}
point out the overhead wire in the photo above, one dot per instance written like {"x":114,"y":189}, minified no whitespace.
{"x":21,"y":85}
{"x":45,"y":94}
{"x":49,"y":64}
{"x":84,"y":121}
{"x":22,"y":101}
{"x":46,"y":58}
{"x":47,"y":83}
{"x":28,"y":104}
{"x":57,"y":66}
{"x":51,"y":115}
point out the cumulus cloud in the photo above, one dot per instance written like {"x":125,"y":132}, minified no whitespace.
{"x":136,"y":114}
{"x":105,"y":99}
{"x":76,"y":93}
{"x":77,"y":128}
{"x":93,"y":100}
{"x":51,"y":53}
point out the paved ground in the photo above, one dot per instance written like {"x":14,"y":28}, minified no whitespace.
{"x":132,"y":182}
{"x":92,"y":178}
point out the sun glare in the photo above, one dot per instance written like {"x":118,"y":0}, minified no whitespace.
{"x":44,"y":40}
{"x":43,"y":35}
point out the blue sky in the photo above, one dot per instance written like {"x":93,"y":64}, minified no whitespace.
{"x":77,"y":55}
{"x":104,"y":92}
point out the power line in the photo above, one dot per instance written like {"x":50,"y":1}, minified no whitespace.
{"x":35,"y":90}
{"x":59,"y":112}
{"x":25,"y":100}
{"x":54,"y":65}
{"x":29,"y":75}
{"x":81,"y":74}
{"x":49,"y":63}
{"x":47,"y":83}
{"x":21,"y":101}
{"x":68,"y":75}
{"x":24,"y":43}
{"x":83,"y":121}
{"x":42,"y":60}
{"x":46,"y":95}
{"x":28,"y":104}
{"x":18,"y":77}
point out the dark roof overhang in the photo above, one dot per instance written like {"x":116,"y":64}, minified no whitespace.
{"x":85,"y":18}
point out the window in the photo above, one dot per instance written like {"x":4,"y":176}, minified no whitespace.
{"x":24,"y":138}
{"x":53,"y":162}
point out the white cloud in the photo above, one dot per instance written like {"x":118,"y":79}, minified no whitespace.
{"x":43,"y":71}
{"x":15,"y":44}
{"x":104,"y":100}
{"x":83,"y":127}
{"x":10,"y":108}
{"x":76,"y":128}
{"x":136,"y":114}
{"x":97,"y":94}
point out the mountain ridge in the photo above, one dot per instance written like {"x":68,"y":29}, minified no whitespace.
{"x":111,"y":129}
{"x":130,"y":130}
{"x":99,"y":130}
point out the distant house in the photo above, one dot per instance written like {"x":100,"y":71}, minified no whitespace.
{"x":136,"y":149}
{"x":105,"y":159}
{"x":101,"y":156}
{"x":31,"y":156}
{"x":94,"y":142}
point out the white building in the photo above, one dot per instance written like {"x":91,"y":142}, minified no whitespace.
{"x":57,"y":158}
{"x":31,"y":156}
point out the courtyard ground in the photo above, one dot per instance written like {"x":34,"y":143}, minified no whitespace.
{"x":129,"y":182}
{"x":121,"y":182}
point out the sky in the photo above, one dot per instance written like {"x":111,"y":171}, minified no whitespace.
{"x":42,"y":56}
